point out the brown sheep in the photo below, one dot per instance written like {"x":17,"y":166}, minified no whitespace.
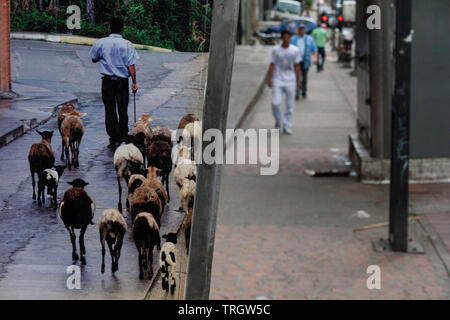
{"x":144,"y":125}
{"x":41,"y":157}
{"x":189,"y":118}
{"x":63,"y":110}
{"x":135,"y":181}
{"x":146,"y":199}
{"x":143,"y":131}
{"x":159,"y":154}
{"x":112,"y":228}
{"x":72,"y":131}
{"x":162,"y":134}
{"x":153,"y":182}
{"x":187,"y":230}
{"x":146,"y":236}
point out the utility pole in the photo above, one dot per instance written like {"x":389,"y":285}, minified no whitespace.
{"x":5,"y":59}
{"x":398,"y":209}
{"x":220,"y":67}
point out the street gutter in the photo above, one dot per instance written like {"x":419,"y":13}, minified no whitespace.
{"x":30,"y":124}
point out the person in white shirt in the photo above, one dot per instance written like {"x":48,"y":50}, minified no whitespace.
{"x":284,"y":77}
{"x":117,"y":57}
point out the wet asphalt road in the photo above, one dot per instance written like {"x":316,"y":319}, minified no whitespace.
{"x":35,"y":249}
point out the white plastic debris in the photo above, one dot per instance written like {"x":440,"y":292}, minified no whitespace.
{"x":362,"y":214}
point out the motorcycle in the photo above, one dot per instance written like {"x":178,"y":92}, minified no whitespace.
{"x":346,"y":45}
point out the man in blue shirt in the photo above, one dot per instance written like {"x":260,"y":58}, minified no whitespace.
{"x":307,"y":46}
{"x":117,"y":58}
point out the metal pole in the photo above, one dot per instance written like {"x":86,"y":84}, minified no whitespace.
{"x":381,"y":82}
{"x":223,"y":37}
{"x":134,"y":102}
{"x":398,"y":213}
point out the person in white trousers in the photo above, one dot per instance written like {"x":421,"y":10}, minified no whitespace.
{"x":284,"y":77}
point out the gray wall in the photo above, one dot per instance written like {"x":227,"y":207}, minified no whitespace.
{"x":430,"y":109}
{"x":430,"y":99}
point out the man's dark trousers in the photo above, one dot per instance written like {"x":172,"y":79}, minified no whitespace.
{"x":115,"y":94}
{"x":304,"y":81}
{"x":321,"y":61}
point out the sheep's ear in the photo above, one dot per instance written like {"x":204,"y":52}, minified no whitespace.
{"x":86,"y":183}
{"x":51,"y":133}
{"x":164,"y":236}
{"x":82,"y":114}
{"x":40,"y":133}
{"x":71,"y":183}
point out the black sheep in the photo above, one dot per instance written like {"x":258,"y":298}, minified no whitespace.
{"x":77,"y":211}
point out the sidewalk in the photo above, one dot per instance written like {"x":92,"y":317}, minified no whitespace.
{"x":34,"y":106}
{"x":290,"y":236}
{"x":249,"y":71}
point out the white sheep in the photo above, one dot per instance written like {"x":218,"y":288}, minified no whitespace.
{"x":192,"y":137}
{"x":185,"y":169}
{"x":128,"y":160}
{"x":167,"y":262}
{"x":51,"y":182}
{"x":187,"y":195}
{"x":112,"y":228}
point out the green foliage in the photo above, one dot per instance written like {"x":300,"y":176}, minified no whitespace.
{"x":308,"y":4}
{"x":182,"y":25}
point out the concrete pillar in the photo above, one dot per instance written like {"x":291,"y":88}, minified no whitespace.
{"x":5,"y":60}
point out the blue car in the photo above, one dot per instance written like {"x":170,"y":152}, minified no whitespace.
{"x":309,"y":23}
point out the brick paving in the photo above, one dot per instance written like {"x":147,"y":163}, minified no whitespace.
{"x":290,"y":236}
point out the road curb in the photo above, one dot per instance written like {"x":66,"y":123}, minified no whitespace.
{"x":249,"y":108}
{"x":81,"y":40}
{"x":28,"y":125}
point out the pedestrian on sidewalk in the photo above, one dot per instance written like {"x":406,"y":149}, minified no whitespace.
{"x":307,"y":47}
{"x":284,"y":77}
{"x":320,"y":36}
{"x":117,"y":58}
{"x":292,"y":27}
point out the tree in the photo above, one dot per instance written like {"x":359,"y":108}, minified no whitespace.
{"x":90,"y":9}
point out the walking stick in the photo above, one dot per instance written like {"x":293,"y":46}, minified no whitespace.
{"x":134,"y":98}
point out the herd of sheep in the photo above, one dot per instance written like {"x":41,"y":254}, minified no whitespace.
{"x":145,"y":162}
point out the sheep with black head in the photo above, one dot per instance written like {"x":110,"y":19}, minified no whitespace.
{"x":51,"y":182}
{"x":76,"y":210}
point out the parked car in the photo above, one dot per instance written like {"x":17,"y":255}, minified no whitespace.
{"x":309,"y":23}
{"x":286,"y":9}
